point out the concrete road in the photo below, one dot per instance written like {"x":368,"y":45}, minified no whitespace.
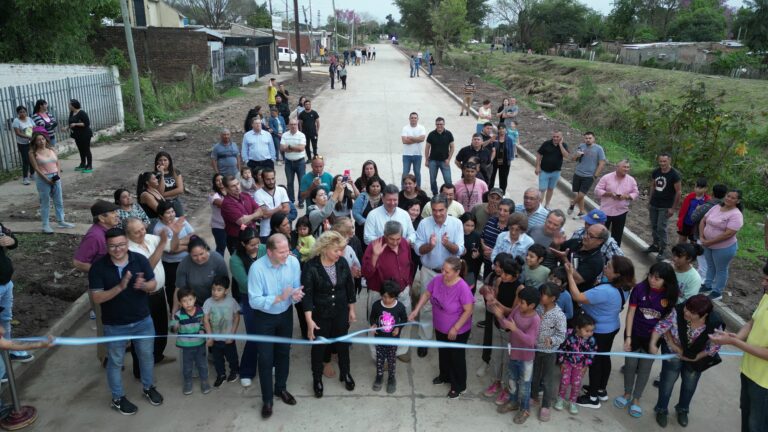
{"x":361,"y":123}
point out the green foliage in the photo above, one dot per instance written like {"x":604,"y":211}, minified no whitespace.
{"x":704,"y":23}
{"x":51,"y":31}
{"x":114,"y":57}
{"x":728,"y":61}
{"x":260,"y":17}
{"x":164,"y":102}
{"x":753,"y":20}
{"x":645,"y":34}
{"x":573,"y":23}
{"x":450,"y":25}
{"x":417,"y":18}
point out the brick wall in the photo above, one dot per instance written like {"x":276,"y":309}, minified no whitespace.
{"x":168,"y":53}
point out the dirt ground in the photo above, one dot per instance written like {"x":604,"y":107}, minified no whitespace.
{"x":743,"y":291}
{"x":46,"y":283}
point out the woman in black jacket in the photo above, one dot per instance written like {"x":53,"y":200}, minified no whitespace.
{"x":80,"y":131}
{"x":329,"y":303}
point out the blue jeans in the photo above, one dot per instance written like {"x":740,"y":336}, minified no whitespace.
{"x":670,"y":370}
{"x":520,"y":375}
{"x":754,"y":406}
{"x":45,"y":190}
{"x":416,"y":162}
{"x":116,"y":354}
{"x":6,"y":302}
{"x":718,"y":262}
{"x":444,"y":168}
{"x":220,"y":236}
{"x":479,"y":128}
{"x":191,"y":357}
{"x":294,"y":168}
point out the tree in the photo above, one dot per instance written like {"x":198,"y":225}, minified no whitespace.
{"x":260,"y":17}
{"x":703,"y":20}
{"x":22,"y":23}
{"x":416,"y":19}
{"x":560,"y":21}
{"x":516,"y":13}
{"x":449,"y":24}
{"x":752,"y":19}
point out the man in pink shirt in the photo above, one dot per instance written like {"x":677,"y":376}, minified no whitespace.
{"x":616,"y":191}
{"x":470,"y":190}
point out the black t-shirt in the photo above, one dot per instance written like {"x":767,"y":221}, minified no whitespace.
{"x":472,"y":241}
{"x":131,"y":305}
{"x":507,"y":294}
{"x":404,"y":203}
{"x":308,"y":122}
{"x":664,"y":188}
{"x":468,"y":152}
{"x":385,"y":317}
{"x":551,"y":156}
{"x":590,"y":263}
{"x":501,"y":158}
{"x":440,"y":144}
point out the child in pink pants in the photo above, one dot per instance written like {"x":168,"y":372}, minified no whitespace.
{"x":579,"y":346}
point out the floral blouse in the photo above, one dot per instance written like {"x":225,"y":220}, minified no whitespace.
{"x":576,"y":350}
{"x":669,"y":324}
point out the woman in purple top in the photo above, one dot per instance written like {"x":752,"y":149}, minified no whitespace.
{"x":651,"y":300}
{"x":718,"y":236}
{"x":452,"y":303}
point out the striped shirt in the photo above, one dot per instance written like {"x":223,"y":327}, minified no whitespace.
{"x":469,"y":89}
{"x":491,"y":233}
{"x":189,"y":325}
{"x":536,"y":218}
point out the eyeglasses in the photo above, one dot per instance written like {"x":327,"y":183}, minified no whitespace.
{"x":117,"y":246}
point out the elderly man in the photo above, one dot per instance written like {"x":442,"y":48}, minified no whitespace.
{"x":274,"y":285}
{"x":532,"y":208}
{"x":92,"y":247}
{"x":455,"y":208}
{"x":225,"y":156}
{"x":483,"y":212}
{"x":120,"y":283}
{"x":616,"y":191}
{"x":549,"y":162}
{"x":317,"y":178}
{"x":585,"y":254}
{"x":413,"y":136}
{"x":258,"y":147}
{"x":551,"y":234}
{"x":270,"y":199}
{"x":438,"y":237}
{"x":389,"y":257}
{"x":152,"y":247}
{"x":237,"y":209}
{"x":378,"y":217}
{"x":292,"y":145}
{"x":609,"y":247}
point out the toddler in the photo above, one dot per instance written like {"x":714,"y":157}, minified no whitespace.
{"x":247,"y":183}
{"x":304,"y":231}
{"x":385,"y":314}
{"x":222,"y":317}
{"x":579,"y":346}
{"x":559,"y":277}
{"x":188,"y":320}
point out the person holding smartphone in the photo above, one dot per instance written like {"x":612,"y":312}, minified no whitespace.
{"x":45,"y":162}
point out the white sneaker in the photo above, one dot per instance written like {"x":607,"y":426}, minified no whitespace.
{"x":246,"y":382}
{"x":483,"y":369}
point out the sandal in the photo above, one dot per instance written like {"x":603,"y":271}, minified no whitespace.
{"x":620,"y":402}
{"x":635,"y":411}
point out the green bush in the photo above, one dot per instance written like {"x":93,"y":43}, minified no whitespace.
{"x":115,"y":57}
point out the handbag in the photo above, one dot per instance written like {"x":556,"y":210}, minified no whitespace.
{"x":704,"y":363}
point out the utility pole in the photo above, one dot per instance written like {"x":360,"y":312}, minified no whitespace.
{"x":335,"y":25}
{"x":298,"y":36}
{"x":132,"y":58}
{"x":288,"y":33}
{"x":274,"y":41}
{"x":310,"y":17}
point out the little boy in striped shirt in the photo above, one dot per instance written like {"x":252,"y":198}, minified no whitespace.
{"x":188,"y":321}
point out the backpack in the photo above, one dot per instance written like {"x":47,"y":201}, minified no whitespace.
{"x":702,"y":210}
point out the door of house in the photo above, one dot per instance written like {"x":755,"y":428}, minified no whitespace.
{"x":265,"y":61}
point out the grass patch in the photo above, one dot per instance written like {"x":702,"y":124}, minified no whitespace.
{"x":234,"y":92}
{"x":751,"y":238}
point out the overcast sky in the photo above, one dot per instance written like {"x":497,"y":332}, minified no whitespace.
{"x":379,"y":9}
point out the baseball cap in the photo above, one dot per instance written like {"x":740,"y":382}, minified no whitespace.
{"x":595,"y":216}
{"x":496,"y":191}
{"x":100,"y":207}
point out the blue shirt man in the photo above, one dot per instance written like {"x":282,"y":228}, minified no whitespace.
{"x":225,"y":156}
{"x":274,"y":284}
{"x":258,"y":146}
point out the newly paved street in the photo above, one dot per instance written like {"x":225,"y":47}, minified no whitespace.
{"x":361,"y":123}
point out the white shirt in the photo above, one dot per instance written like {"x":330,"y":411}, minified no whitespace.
{"x":374,"y":224}
{"x":294,"y":139}
{"x":151,"y":242}
{"x":408,"y":131}
{"x":264,"y":199}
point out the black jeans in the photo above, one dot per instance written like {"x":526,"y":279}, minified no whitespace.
{"x":333,"y":327}
{"x":255,"y":165}
{"x":249,"y":359}
{"x":170,"y":281}
{"x":222,"y":350}
{"x":600,"y":370}
{"x":311,"y":139}
{"x":84,"y":148}
{"x":616,"y":225}
{"x":503,"y":172}
{"x":26,"y":168}
{"x":273,"y":355}
{"x":453,"y":361}
{"x":754,"y":406}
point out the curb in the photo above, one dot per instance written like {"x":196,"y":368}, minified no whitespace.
{"x":732,"y":319}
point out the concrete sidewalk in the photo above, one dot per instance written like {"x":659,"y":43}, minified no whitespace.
{"x":361,"y":123}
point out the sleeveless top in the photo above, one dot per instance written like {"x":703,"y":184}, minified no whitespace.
{"x":48,"y":165}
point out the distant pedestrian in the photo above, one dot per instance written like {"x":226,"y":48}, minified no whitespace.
{"x":431,"y":64}
{"x":412,"y":64}
{"x":590,"y":158}
{"x":80,"y":131}
{"x":469,"y":92}
{"x":22,"y":128}
{"x":332,"y":73}
{"x":342,"y":71}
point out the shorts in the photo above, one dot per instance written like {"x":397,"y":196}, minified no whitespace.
{"x":686,"y":232}
{"x":582,"y":184}
{"x":548,"y":180}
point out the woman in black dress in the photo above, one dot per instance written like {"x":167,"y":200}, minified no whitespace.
{"x":80,"y":131}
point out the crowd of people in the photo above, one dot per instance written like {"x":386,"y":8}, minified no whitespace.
{"x":412,"y":256}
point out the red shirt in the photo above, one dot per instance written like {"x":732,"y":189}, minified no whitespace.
{"x":390,"y":265}
{"x":233,"y":209}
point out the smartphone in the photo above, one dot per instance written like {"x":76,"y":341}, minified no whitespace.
{"x":574,"y":260}
{"x":345,"y":178}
